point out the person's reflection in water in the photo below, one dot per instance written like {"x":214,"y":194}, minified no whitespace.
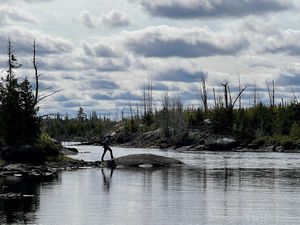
{"x":107,"y":180}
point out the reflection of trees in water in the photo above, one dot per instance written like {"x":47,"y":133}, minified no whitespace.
{"x":19,"y":210}
{"x":106,"y":179}
{"x":226,"y":178}
{"x":221,"y":178}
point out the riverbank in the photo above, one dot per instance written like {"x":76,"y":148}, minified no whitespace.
{"x":199,"y":140}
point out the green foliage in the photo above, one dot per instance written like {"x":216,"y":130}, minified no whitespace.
{"x":295,"y":130}
{"x":222,"y":119}
{"x":18,"y":115}
{"x":46,"y":144}
{"x":131,"y":126}
{"x":71,"y":129}
{"x":148,"y":119}
{"x":2,"y":162}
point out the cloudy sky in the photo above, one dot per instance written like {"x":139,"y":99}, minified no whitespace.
{"x":101,"y":53}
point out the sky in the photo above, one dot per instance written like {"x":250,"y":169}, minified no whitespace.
{"x":101,"y":53}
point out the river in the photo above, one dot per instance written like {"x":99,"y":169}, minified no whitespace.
{"x":212,"y":188}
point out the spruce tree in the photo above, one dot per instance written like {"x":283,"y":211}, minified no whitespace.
{"x":18,"y":115}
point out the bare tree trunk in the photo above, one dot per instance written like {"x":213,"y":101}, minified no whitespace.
{"x":144,"y":100}
{"x":9,"y":60}
{"x":255,"y":96}
{"x":215,"y":100}
{"x":240,"y":87}
{"x":35,"y":74}
{"x":294,"y":95}
{"x":225,"y":94}
{"x":271,"y":93}
{"x":203,"y":91}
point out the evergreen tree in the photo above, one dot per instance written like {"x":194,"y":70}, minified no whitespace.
{"x":18,"y":114}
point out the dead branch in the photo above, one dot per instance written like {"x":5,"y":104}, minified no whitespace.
{"x":239,"y":95}
{"x":46,"y":96}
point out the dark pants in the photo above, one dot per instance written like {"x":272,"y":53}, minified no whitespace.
{"x":105,"y":150}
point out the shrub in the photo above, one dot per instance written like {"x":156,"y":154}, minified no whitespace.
{"x":47,"y":144}
{"x":295,"y":130}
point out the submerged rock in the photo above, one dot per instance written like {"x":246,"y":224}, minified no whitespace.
{"x":143,"y":160}
{"x":25,"y":170}
{"x":11,"y":196}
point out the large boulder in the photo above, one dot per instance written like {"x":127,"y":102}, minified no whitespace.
{"x":22,"y":154}
{"x":221,"y":144}
{"x":143,"y":160}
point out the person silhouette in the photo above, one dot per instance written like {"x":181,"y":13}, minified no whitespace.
{"x":106,"y":147}
{"x":107,"y":180}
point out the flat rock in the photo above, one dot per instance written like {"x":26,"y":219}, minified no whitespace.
{"x":140,"y":160}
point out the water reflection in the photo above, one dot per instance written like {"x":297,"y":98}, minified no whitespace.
{"x":106,"y":179}
{"x":202,"y":194}
{"x":19,"y":211}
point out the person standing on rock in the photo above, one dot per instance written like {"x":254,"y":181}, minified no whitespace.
{"x":106,"y":147}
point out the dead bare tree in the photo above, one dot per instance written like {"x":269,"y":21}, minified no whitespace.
{"x":148,"y":97}
{"x":12,"y":61}
{"x":295,"y":99}
{"x":203,"y":90}
{"x":166,"y":117}
{"x":240,"y":88}
{"x":239,"y":95}
{"x":271,"y":93}
{"x":227,"y":94}
{"x":37,"y":76}
{"x":254,"y":95}
{"x":215,"y":100}
{"x":225,"y":85}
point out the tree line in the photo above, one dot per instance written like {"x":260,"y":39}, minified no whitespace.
{"x":21,"y":124}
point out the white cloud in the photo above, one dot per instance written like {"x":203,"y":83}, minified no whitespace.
{"x":22,"y":40}
{"x":12,"y":15}
{"x":286,"y":42}
{"x":115,"y":18}
{"x":166,"y":41}
{"x":189,"y":9}
{"x":86,"y":19}
{"x":112,"y":19}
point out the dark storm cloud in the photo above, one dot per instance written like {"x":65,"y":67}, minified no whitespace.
{"x":165,"y":41}
{"x":191,"y":9}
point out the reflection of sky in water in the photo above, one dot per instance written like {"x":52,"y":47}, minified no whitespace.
{"x":222,"y":188}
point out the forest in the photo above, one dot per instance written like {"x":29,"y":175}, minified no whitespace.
{"x":260,"y":124}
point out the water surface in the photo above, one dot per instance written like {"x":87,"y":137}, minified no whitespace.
{"x":213,"y":188}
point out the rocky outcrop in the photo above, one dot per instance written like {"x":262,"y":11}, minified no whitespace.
{"x":22,"y":154}
{"x":221,"y":144}
{"x":24,"y":170}
{"x":69,"y":151}
{"x":143,"y":160}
